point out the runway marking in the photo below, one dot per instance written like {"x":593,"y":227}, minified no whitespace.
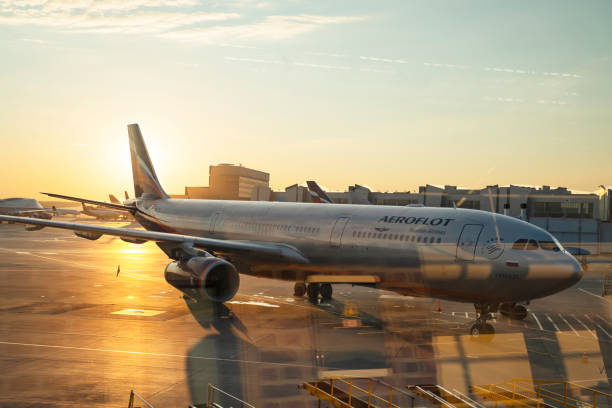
{"x":143,"y":353}
{"x":264,"y":304}
{"x":553,"y":323}
{"x":23,"y":253}
{"x":537,"y":321}
{"x":138,"y":312}
{"x":570,"y":326}
{"x":453,"y":314}
{"x":466,"y":315}
{"x":592,"y":294}
{"x":584,"y":325}
{"x":604,"y":330}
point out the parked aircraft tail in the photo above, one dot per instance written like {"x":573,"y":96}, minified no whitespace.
{"x":317,"y":194}
{"x":113,"y":199}
{"x":145,"y":180}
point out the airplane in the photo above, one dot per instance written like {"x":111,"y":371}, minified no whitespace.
{"x":317,"y":194}
{"x":496,"y":262}
{"x":24,"y":207}
{"x":64,"y":211}
{"x":102,"y":213}
{"x":113,"y":199}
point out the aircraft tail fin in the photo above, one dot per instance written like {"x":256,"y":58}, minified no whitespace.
{"x":317,"y":194}
{"x":127,"y":196}
{"x":145,"y":180}
{"x":113,"y":199}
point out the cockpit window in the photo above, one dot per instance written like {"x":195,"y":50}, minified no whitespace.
{"x":532,"y":245}
{"x":519,"y":244}
{"x":549,"y":246}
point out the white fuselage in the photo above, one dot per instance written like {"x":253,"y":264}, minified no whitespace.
{"x":463,"y":255}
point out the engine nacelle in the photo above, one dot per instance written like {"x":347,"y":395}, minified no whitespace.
{"x":216,"y":279}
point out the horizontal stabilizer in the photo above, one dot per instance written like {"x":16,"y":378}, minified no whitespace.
{"x":120,"y":207}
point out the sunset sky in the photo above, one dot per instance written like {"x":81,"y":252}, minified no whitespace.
{"x":391,"y":95}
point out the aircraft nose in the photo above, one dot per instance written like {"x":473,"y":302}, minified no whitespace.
{"x":578,"y":271}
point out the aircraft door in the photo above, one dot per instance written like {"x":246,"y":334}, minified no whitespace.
{"x":466,"y":247}
{"x":214,"y":221}
{"x":335,"y":239}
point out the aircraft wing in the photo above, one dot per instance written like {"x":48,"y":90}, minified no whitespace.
{"x":120,"y":207}
{"x":280,"y":252}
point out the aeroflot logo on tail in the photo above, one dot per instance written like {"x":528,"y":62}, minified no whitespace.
{"x":414,"y":220}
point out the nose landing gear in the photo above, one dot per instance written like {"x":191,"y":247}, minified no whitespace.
{"x":484,"y":312}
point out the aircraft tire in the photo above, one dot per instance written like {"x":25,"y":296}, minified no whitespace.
{"x":519,"y":312}
{"x":299,"y":289}
{"x":326,"y":291}
{"x":313,"y":291}
{"x":482,"y":330}
{"x":506,"y":309}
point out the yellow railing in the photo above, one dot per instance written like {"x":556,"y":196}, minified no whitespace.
{"x":353,"y":392}
{"x":134,"y":397}
{"x":532,"y":392}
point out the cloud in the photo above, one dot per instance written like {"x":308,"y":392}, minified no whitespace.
{"x":35,"y":40}
{"x":270,"y":28}
{"x":173,"y":19}
{"x":256,"y":60}
{"x":320,"y":66}
{"x":130,"y":16}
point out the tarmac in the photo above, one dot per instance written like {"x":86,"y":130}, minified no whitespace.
{"x":84,"y":322}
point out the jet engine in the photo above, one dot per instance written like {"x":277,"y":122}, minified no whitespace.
{"x":215,"y":278}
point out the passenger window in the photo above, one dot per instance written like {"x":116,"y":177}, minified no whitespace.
{"x":519,"y":244}
{"x":549,"y":246}
{"x":532,"y":245}
{"x":419,"y":238}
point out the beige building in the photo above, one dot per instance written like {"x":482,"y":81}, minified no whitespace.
{"x":229,"y":182}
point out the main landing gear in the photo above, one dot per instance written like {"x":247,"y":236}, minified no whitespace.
{"x":484,"y":312}
{"x":313,"y":290}
{"x":513,"y":310}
